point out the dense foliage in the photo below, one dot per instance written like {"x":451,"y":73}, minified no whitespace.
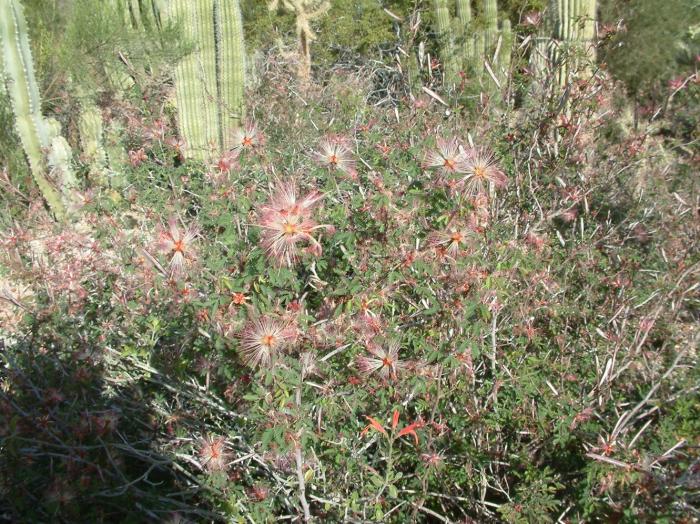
{"x":365,"y":312}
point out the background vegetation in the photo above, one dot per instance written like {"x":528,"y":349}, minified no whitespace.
{"x":534,"y":346}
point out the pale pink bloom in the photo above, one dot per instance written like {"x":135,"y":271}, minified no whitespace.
{"x":248,"y":137}
{"x":384,"y":360}
{"x":334,"y":152}
{"x":286,"y":222}
{"x":482,"y":172}
{"x":448,"y":157}
{"x":213,"y":454}
{"x":176,"y":243}
{"x":262,"y":340}
{"x":285,"y":200}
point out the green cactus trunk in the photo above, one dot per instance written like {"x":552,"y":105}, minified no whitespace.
{"x":467,"y":48}
{"x":448,"y":56}
{"x":490,"y":15}
{"x":209,"y":83}
{"x":571,"y":26}
{"x":505,"y":51}
{"x":24,"y":94}
{"x":92,"y":141}
{"x":464,"y":34}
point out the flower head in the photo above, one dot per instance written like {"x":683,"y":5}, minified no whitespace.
{"x":448,"y":157}
{"x":176,"y":242}
{"x":482,"y":172}
{"x":262,"y":340}
{"x":248,"y":137}
{"x":212,"y":451}
{"x":286,"y":222}
{"x":450,"y":241}
{"x":334,"y":152}
{"x":384,"y":360}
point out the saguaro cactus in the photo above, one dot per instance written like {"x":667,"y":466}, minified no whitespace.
{"x":305,"y":11}
{"x":24,"y":95}
{"x":569,"y":26}
{"x":466,"y":48}
{"x":209,"y":83}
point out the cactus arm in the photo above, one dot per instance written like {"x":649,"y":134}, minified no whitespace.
{"x":490,"y":13}
{"x":444,"y":33}
{"x":91,"y":139}
{"x":504,"y":55}
{"x":232,"y":69}
{"x":195,"y":79}
{"x":24,"y":94}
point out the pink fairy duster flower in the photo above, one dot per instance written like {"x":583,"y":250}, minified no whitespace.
{"x":286,"y":222}
{"x":482,"y":172}
{"x":448,"y":157}
{"x":213,"y":454}
{"x":450,"y":241}
{"x":262,"y":340}
{"x":286,"y":201}
{"x":384,"y":360}
{"x":176,"y":243}
{"x":248,"y":137}
{"x":335,"y":153}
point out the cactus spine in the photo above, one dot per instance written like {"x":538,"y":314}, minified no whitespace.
{"x":305,"y":11}
{"x":24,"y":94}
{"x":209,"y":83}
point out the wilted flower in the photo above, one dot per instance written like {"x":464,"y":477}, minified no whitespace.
{"x":482,"y":171}
{"x":309,"y":364}
{"x":213,"y":454}
{"x":448,"y":157}
{"x":248,"y":137}
{"x":335,"y":153}
{"x":384,"y":360}
{"x":262,"y":340}
{"x":228,"y":160}
{"x":532,"y":18}
{"x":286,"y":221}
{"x":534,"y":240}
{"x":433,"y":460}
{"x":136,"y":157}
{"x":177,"y":243}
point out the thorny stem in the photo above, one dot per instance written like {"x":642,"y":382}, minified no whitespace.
{"x":389,"y":466}
{"x":494,"y":320}
{"x":300,"y":461}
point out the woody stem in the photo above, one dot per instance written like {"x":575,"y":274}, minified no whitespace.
{"x":300,"y":461}
{"x":389,"y":465}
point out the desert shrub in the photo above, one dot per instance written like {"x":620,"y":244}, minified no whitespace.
{"x":656,"y":42}
{"x":429,"y":352}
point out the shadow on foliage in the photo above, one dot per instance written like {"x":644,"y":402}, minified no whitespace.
{"x":80,"y":444}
